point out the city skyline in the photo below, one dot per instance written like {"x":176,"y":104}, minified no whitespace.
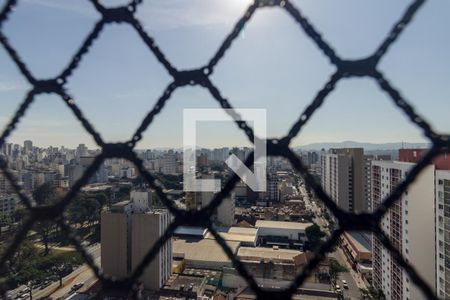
{"x":289,"y":79}
{"x":350,"y":200}
{"x":308,"y":147}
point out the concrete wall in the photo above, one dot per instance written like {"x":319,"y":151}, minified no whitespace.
{"x":114,"y":243}
{"x":147,"y":228}
{"x":421,"y":231}
{"x":414,"y":216}
{"x":292,"y":234}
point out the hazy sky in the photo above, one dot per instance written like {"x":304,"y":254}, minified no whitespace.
{"x":272,"y":65}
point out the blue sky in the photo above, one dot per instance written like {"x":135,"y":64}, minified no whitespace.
{"x":272,"y":65}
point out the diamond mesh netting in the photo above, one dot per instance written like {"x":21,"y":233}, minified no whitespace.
{"x":275,"y":147}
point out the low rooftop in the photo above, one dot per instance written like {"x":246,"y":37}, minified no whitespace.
{"x":237,"y":234}
{"x":359,"y":240}
{"x":259,"y":253}
{"x":203,"y":250}
{"x":282,"y":224}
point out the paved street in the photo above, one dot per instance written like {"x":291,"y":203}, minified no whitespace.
{"x":353,"y":279}
{"x":353,"y":286}
{"x":81,"y":274}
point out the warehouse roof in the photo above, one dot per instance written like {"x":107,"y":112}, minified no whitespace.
{"x":270,"y":253}
{"x":236,"y":234}
{"x":203,"y":250}
{"x":282,"y":224}
{"x":191,"y":230}
{"x":360,"y":241}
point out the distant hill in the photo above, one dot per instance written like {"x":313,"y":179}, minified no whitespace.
{"x":366,"y":146}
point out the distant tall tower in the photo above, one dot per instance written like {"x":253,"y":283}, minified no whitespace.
{"x":28,"y":146}
{"x":169,"y":163}
{"x":82,"y":150}
{"x":343,"y":176}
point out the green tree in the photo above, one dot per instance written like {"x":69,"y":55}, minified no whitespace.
{"x":29,"y":265}
{"x":59,"y":267}
{"x":5,"y":219}
{"x":27,"y":252}
{"x":93,"y":208}
{"x":171,"y":181}
{"x":122,"y":194}
{"x":372,"y":293}
{"x":139,"y":181}
{"x":45,"y":195}
{"x":314,"y":235}
{"x":84,"y":209}
{"x":335,"y":269}
{"x":20,"y":214}
{"x":102,"y":198}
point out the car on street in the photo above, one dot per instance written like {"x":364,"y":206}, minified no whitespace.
{"x":344,"y":284}
{"x":45,"y":284}
{"x":77,"y":286}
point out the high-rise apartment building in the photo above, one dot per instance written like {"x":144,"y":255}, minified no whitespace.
{"x":141,"y":199}
{"x":169,"y":163}
{"x":129,"y":230}
{"x":342,"y":177}
{"x":442,"y":219}
{"x":226,"y":211}
{"x":5,"y":185}
{"x":368,"y":158}
{"x":115,"y":236}
{"x":367,"y":182}
{"x":8,"y":204}
{"x":28,"y":146}
{"x":146,"y":228}
{"x":272,"y":189}
{"x":409,"y":224}
{"x":82,"y":150}
{"x":224,"y":214}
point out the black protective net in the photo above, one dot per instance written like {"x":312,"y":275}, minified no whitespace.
{"x":275,"y":147}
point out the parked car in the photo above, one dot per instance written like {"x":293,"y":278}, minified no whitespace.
{"x":344,"y":284}
{"x":77,"y":286}
{"x":45,"y":284}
